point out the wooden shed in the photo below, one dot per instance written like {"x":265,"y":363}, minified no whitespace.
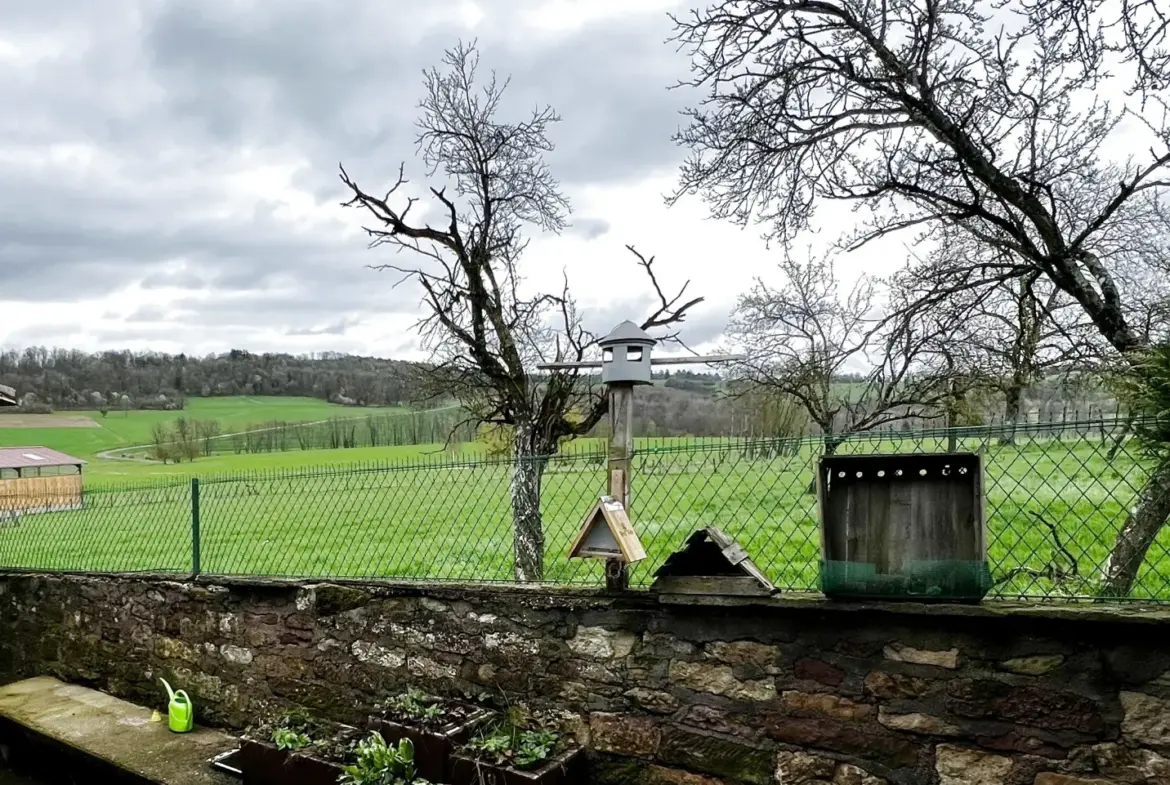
{"x":37,"y":479}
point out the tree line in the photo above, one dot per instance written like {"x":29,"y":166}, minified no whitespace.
{"x":72,"y":379}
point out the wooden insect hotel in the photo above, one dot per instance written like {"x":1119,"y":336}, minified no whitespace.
{"x":606,"y":533}
{"x":903,"y":527}
{"x":37,"y":479}
{"x":710,"y":562}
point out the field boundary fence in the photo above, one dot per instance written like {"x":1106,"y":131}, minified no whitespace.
{"x":1056,"y":495}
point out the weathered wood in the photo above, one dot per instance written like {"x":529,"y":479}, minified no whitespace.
{"x":32,"y":494}
{"x":621,"y":450}
{"x":7,"y":396}
{"x":729,"y":585}
{"x":902,"y":515}
{"x":607,"y":533}
{"x":711,"y":556}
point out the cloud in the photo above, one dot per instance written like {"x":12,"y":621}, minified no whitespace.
{"x":590,"y":228}
{"x":170,"y":168}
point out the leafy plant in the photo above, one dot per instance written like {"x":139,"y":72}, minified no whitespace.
{"x":415,"y":705}
{"x":289,"y":739}
{"x":377,"y":763}
{"x":508,"y":745}
{"x":1146,"y":387}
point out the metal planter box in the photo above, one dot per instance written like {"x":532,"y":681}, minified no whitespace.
{"x":432,"y":747}
{"x":564,"y":769}
{"x":903,"y":527}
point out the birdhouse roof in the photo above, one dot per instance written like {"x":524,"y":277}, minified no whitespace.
{"x":628,"y":332}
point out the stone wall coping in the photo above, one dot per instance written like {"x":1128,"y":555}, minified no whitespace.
{"x":1128,"y":612}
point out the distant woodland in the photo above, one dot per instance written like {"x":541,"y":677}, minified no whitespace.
{"x":70,"y":379}
{"x":680,"y":403}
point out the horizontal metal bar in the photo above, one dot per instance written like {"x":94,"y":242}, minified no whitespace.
{"x":686,"y":360}
{"x":567,"y":366}
{"x":714,"y":358}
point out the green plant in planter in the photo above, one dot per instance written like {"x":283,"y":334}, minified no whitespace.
{"x":415,"y":705}
{"x":289,"y":739}
{"x":377,"y":763}
{"x":509,"y":745}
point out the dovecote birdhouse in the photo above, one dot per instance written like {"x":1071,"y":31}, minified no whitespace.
{"x":625,"y":355}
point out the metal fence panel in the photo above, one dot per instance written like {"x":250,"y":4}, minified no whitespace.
{"x":1056,"y":496}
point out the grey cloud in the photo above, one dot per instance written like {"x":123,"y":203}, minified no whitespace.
{"x":170,"y":95}
{"x":590,"y":228}
{"x":149,"y":313}
{"x":340,"y":327}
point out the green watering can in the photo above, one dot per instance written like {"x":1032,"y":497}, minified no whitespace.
{"x":180,"y":710}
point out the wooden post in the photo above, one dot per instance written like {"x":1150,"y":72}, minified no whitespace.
{"x":621,"y":449}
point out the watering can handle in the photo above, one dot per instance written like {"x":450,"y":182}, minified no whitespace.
{"x":182,"y":694}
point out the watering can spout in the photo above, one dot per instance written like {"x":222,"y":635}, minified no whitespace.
{"x":170,"y":692}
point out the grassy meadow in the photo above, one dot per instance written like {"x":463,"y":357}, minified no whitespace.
{"x":122,"y":429}
{"x":448,"y":517}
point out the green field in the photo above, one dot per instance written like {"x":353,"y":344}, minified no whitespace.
{"x":128,"y":429}
{"x":451,"y":520}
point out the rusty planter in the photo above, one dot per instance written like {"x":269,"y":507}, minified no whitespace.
{"x":432,"y":747}
{"x":261,"y":763}
{"x":564,"y":769}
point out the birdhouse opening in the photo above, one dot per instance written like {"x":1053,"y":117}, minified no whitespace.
{"x":634,"y":354}
{"x":607,"y":355}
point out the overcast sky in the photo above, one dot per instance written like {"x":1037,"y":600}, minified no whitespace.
{"x":169,"y":166}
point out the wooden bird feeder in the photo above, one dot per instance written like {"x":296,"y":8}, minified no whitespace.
{"x":903,"y":527}
{"x":606,"y":533}
{"x":711,"y":563}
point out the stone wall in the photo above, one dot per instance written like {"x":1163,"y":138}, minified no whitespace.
{"x":693,"y":694}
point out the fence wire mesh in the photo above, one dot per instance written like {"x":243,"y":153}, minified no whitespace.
{"x":1056,"y":495}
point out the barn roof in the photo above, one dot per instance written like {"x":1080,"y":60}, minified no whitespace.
{"x":24,"y":457}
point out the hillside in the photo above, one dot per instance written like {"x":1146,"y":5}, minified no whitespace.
{"x":70,"y":379}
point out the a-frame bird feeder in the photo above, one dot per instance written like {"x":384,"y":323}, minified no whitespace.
{"x":711,"y":563}
{"x":606,"y":533}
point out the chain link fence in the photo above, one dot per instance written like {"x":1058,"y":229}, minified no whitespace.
{"x":1056,"y":496}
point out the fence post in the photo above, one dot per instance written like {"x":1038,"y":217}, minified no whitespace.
{"x":195,"y":556}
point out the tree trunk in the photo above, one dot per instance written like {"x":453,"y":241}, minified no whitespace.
{"x":527,"y":524}
{"x":1138,"y":534}
{"x":1013,"y":400}
{"x":830,"y":443}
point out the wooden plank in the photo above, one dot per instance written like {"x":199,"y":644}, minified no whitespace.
{"x":732,"y":585}
{"x":623,"y":531}
{"x":40,"y":493}
{"x":883,"y":511}
{"x":621,"y":451}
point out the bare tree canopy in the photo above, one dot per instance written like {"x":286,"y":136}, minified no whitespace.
{"x":803,"y":336}
{"x":486,"y":330}
{"x":970,"y":125}
{"x":926,"y":114}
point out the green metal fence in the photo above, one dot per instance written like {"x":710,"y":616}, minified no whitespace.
{"x":1056,"y":496}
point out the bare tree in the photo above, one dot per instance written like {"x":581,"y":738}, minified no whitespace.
{"x":485,"y":330}
{"x":1005,"y":336}
{"x":983,"y":116}
{"x":802,"y":337}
